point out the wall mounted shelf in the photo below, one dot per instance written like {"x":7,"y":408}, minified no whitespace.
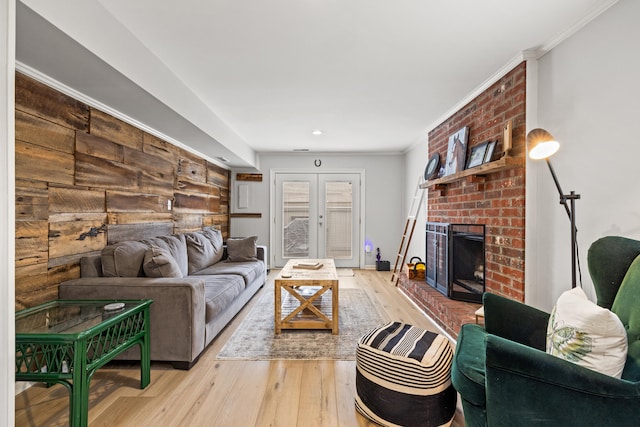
{"x":475,"y":174}
{"x":245,"y":215}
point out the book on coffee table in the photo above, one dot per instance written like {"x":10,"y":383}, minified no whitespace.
{"x":308,"y":265}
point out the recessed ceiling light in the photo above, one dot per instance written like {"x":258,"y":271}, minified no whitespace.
{"x":316,"y":132}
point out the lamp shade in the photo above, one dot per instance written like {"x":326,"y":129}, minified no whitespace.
{"x":541,"y":144}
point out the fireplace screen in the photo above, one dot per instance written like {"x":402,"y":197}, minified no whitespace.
{"x":437,"y":263}
{"x":456,"y":260}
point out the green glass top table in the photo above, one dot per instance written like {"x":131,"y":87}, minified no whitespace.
{"x":66,"y":341}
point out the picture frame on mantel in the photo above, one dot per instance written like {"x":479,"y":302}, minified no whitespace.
{"x":491,"y":148}
{"x":457,"y":151}
{"x":476,"y":158}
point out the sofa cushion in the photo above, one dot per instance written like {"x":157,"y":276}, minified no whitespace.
{"x":581,"y":332}
{"x":215,"y":237}
{"x":91,"y":266}
{"x":123,"y":259}
{"x":200,"y":251}
{"x":220,"y":291}
{"x":176,"y":245}
{"x":158,"y":262}
{"x":240,"y":250}
{"x":249,"y":271}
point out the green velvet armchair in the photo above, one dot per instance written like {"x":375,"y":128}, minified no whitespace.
{"x":506,"y":378}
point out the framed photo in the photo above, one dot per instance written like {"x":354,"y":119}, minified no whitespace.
{"x":491,"y":147}
{"x":476,"y":158}
{"x":456,"y":152}
{"x":433,"y":167}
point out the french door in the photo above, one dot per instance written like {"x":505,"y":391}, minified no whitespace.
{"x":317,"y":216}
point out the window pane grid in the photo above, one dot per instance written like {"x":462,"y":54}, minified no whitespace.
{"x":338,"y":219}
{"x":295,"y":214}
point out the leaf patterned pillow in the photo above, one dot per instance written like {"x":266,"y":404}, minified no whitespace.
{"x":581,"y":332}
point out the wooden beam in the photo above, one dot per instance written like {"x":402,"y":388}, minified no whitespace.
{"x":257,"y":177}
{"x":245,"y":215}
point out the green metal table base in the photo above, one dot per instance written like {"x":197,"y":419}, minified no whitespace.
{"x":71,"y":359}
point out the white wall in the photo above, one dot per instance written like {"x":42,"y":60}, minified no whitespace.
{"x":415,"y":162}
{"x":384,"y":195}
{"x":7,"y":212}
{"x":588,"y":92}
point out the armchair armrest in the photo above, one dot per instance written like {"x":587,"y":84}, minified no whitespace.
{"x":177,"y":315}
{"x":515,"y":321}
{"x":528,"y":386}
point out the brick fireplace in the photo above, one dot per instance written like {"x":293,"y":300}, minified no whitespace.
{"x":495,"y":199}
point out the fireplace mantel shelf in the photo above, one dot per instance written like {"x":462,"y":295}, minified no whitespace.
{"x":506,"y":162}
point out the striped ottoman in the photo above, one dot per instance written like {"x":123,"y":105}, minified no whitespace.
{"x":403,"y":377}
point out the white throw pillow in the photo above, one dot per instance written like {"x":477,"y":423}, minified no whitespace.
{"x":581,"y":332}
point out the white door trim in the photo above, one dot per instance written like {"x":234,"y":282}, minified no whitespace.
{"x":272,"y":205}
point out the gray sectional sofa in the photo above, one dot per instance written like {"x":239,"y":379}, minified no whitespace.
{"x":196,"y":283}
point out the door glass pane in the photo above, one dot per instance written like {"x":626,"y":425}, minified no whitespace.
{"x":339,"y":213}
{"x":295,"y":219}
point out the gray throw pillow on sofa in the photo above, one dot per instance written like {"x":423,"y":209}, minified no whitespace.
{"x":200,"y":251}
{"x":215,"y":237}
{"x":123,"y":259}
{"x":239,"y":250}
{"x":158,"y":262}
{"x":176,"y":244}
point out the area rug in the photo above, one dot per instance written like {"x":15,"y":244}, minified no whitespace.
{"x":255,"y":338}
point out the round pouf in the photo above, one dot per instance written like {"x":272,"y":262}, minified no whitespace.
{"x":403,"y":377}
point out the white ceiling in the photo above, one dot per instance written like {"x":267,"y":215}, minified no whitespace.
{"x":234,"y":77}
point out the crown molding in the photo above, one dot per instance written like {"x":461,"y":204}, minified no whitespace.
{"x":509,"y":66}
{"x":525,"y":55}
{"x":563,"y":35}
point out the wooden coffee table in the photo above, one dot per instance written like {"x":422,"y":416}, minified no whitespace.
{"x":305,"y":304}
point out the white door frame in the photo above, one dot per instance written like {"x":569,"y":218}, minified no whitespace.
{"x":273,"y":207}
{"x":7,"y":213}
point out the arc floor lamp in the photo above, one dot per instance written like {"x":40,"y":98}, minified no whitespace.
{"x":542,"y":145}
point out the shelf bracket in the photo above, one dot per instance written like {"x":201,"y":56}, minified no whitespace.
{"x":440,"y":188}
{"x":476,"y":179}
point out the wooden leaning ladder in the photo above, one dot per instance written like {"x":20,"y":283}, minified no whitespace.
{"x":407,"y":234}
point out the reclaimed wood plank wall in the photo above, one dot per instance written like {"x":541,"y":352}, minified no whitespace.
{"x":85,"y":179}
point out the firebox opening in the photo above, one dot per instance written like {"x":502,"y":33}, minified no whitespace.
{"x":456,"y":260}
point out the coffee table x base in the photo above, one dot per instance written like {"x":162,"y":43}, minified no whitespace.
{"x":303,"y":309}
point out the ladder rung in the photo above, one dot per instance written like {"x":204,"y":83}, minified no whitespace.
{"x":408,"y":231}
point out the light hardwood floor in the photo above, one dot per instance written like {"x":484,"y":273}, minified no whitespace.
{"x":228,"y":393}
